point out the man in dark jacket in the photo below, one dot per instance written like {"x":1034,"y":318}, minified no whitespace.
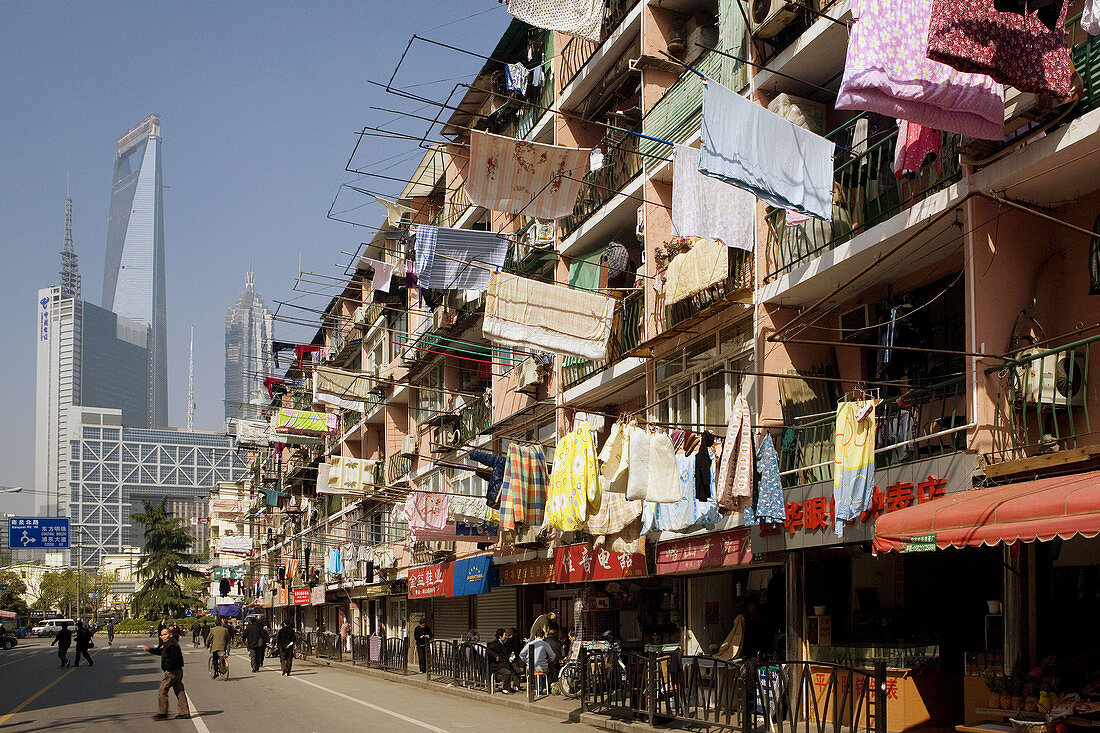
{"x":205,"y":632}
{"x":422,"y":635}
{"x":171,"y":661}
{"x":64,"y":640}
{"x":499,"y":666}
{"x":284,"y":642}
{"x":196,"y":629}
{"x":83,"y":643}
{"x":256,"y":638}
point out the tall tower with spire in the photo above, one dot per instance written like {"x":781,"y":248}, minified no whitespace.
{"x":248,"y":333}
{"x":70,"y":271}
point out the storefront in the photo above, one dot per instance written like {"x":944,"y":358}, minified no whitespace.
{"x":520,"y":597}
{"x":844,"y":605}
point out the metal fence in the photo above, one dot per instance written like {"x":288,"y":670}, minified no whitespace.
{"x":807,"y":697}
{"x":378,"y":652}
{"x":459,"y":663}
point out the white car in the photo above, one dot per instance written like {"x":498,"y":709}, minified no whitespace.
{"x":51,"y":626}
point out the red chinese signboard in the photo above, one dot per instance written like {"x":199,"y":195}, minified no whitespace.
{"x":434,"y":580}
{"x":301,"y":596}
{"x":578,"y":563}
{"x":699,"y":553}
{"x":524,"y":573}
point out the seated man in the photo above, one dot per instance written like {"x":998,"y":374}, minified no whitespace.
{"x":499,"y":664}
{"x":538,"y":654}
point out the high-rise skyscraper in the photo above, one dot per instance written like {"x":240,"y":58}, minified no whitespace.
{"x":133,"y":276}
{"x":248,"y":328}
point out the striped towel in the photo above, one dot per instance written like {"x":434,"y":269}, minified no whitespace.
{"x":523,"y":493}
{"x":457,"y":259}
{"x":520,"y":177}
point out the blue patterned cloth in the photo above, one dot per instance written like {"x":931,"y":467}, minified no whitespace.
{"x":457,"y":259}
{"x":769,"y":492}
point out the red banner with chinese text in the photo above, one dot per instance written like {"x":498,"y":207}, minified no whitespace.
{"x":709,"y":551}
{"x":578,"y":563}
{"x":525,"y":573}
{"x":434,"y":580}
{"x":301,"y":596}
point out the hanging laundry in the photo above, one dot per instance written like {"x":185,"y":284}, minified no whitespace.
{"x":917,"y":146}
{"x":336,"y":562}
{"x":383,"y":273}
{"x":793,"y":218}
{"x":615,"y":513}
{"x":854,"y":463}
{"x":900,"y":427}
{"x":887,"y":71}
{"x":582,"y":18}
{"x":340,"y":388}
{"x":617,"y":259}
{"x":770,"y":507}
{"x":496,"y":478}
{"x":300,"y":350}
{"x":395,"y":212}
{"x":663,"y":486}
{"x":526,"y":313}
{"x":584,"y":271}
{"x":1090,"y":18}
{"x":537,"y":76}
{"x":254,"y":433}
{"x":426,"y":511}
{"x":682,"y":514}
{"x":615,"y":459}
{"x":275,"y":384}
{"x":466,"y":509}
{"x":734,"y":484}
{"x":1013,"y":48}
{"x":516,"y":77}
{"x":755,"y":149}
{"x":521,"y":177}
{"x":457,"y":259}
{"x":595,"y":159}
{"x":574,"y":489}
{"x":523,"y":490}
{"x":704,"y":466}
{"x":277,"y":346}
{"x":639,"y":443}
{"x":703,"y":206}
{"x":692,"y":272}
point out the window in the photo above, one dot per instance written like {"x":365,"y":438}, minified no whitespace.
{"x":698,"y":388}
{"x":429,"y":398}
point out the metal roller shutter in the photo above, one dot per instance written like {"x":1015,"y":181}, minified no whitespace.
{"x":451,"y":618}
{"x":495,"y":610}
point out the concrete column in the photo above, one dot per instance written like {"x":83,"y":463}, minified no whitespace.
{"x":795,"y":606}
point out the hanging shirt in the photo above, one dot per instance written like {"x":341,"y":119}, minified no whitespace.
{"x":774,"y":159}
{"x":516,"y":77}
{"x":704,"y":470}
{"x":574,"y":489}
{"x":734,"y":485}
{"x":1090,"y":18}
{"x":887,"y":70}
{"x":705,"y":207}
{"x":916,"y":147}
{"x":457,"y":259}
{"x":854,"y":464}
{"x":682,"y":514}
{"x":517,"y":176}
{"x":770,"y":507}
{"x":383,"y":272}
{"x":615,"y":459}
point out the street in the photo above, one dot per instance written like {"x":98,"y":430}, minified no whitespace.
{"x":119,"y":693}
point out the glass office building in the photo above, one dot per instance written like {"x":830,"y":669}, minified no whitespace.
{"x":248,"y":327}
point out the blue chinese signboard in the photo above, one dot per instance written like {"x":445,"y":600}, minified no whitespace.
{"x":51,"y":533}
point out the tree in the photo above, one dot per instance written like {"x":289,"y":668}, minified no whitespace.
{"x":162,"y":570}
{"x":11,"y":598}
{"x":76,"y":591}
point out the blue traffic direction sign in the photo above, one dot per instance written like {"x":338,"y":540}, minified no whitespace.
{"x":51,"y":533}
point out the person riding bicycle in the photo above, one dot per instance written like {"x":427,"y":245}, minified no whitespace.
{"x":219,"y":644}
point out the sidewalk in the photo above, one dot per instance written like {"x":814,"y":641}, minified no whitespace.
{"x":554,"y":706}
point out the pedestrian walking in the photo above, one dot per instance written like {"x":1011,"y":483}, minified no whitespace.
{"x":255,"y":638}
{"x":171,"y":662}
{"x":110,"y":633}
{"x":83,"y":643}
{"x":196,"y":629}
{"x":284,"y":642}
{"x":205,"y":633}
{"x":345,"y":635}
{"x":422,"y":635}
{"x":64,"y":640}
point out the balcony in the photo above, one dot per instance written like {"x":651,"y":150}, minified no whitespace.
{"x":626,"y":334}
{"x":398,"y":467}
{"x":865,"y":193}
{"x":453,"y":208}
{"x":621,"y":165}
{"x":1042,"y":402}
{"x":459,"y":428}
{"x":737,"y":285}
{"x":530,"y":115}
{"x":577,"y":51}
{"x":923,"y":422}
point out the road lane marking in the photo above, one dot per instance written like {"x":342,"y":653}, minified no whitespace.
{"x":357,"y":701}
{"x":195,"y":717}
{"x":35,"y":696}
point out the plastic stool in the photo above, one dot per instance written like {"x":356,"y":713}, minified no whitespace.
{"x":542,"y":681}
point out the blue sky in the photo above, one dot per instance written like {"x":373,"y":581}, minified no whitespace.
{"x":258,"y":106}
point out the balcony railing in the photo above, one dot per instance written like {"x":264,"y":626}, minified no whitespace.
{"x":577,"y":51}
{"x":453,"y":208}
{"x":865,"y":193}
{"x":398,"y":467}
{"x":530,"y":115}
{"x":626,"y":333}
{"x":621,"y":165}
{"x":740,"y":278}
{"x":908,"y":427}
{"x":1042,"y":403}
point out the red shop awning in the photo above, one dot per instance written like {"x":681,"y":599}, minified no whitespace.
{"x":1033,"y":510}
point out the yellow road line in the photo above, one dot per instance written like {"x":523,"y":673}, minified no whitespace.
{"x":35,"y":696}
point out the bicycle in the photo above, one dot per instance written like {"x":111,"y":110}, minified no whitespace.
{"x":223,"y":664}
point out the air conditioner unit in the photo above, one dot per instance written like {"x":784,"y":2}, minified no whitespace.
{"x":1057,"y":380}
{"x":360,"y":316}
{"x":231,"y":428}
{"x":408,"y":445}
{"x":528,"y":376}
{"x":702,"y":34}
{"x":768,"y":17}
